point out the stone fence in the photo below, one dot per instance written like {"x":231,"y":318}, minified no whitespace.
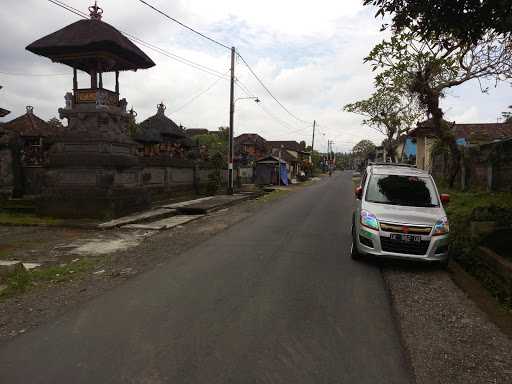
{"x":483,"y":167}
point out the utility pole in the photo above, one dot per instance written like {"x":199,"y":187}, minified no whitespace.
{"x":312,"y":148}
{"x":231,"y":115}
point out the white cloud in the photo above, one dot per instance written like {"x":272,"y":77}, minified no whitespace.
{"x":310,"y":54}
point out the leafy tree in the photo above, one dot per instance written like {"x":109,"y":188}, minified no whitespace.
{"x":56,"y":123}
{"x":431,"y":67}
{"x":364,"y":149}
{"x":392,"y":111}
{"x":464,"y":21}
{"x":507,"y":116}
{"x":216,"y":143}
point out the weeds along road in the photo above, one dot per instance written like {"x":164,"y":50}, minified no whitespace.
{"x":273,"y":299}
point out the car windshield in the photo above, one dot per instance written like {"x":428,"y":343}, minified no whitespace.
{"x":411,"y":191}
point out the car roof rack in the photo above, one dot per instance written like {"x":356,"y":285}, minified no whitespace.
{"x":392,"y":164}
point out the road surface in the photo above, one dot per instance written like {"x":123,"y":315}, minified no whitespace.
{"x":274,"y":299}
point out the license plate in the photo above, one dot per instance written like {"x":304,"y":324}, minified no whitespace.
{"x":405,"y":238}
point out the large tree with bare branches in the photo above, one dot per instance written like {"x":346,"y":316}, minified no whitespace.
{"x":390,"y":110}
{"x":430,"y":67}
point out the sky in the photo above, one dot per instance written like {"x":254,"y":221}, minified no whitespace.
{"x":309,"y":54}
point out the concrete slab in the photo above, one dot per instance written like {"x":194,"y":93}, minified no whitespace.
{"x":187,"y":203}
{"x":9,"y":266}
{"x":213,"y":204}
{"x":29,"y":266}
{"x":165,"y":223}
{"x":148,"y":215}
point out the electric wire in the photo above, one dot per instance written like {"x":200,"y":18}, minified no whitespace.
{"x":151,"y":46}
{"x":195,"y":97}
{"x":32,"y":74}
{"x":225,"y":46}
{"x":184,"y":25}
{"x":269,"y":92}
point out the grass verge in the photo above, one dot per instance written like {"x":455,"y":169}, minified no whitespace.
{"x":26,"y":219}
{"x":22,"y":280}
{"x":274,"y":195}
{"x":468,"y":207}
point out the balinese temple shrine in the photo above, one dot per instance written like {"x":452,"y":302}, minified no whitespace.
{"x":3,"y":112}
{"x":93,"y":168}
{"x":158,"y":135}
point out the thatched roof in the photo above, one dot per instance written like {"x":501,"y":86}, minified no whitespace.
{"x":160,"y":129}
{"x":4,"y":112}
{"x":81,"y":44}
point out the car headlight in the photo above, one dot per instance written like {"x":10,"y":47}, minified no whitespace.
{"x":441,"y":227}
{"x":369,"y":220}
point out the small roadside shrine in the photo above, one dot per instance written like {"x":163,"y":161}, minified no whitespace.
{"x":268,"y":171}
{"x":93,"y":169}
{"x":160,"y":136}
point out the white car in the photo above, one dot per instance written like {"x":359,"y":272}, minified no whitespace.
{"x":399,"y":214}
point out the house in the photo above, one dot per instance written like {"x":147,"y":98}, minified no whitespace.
{"x":292,"y":152}
{"x":191,"y":132}
{"x":465,"y":134}
{"x":36,"y":137}
{"x":249,"y":147}
{"x":160,"y":136}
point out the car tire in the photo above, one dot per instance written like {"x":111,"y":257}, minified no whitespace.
{"x":354,"y":252}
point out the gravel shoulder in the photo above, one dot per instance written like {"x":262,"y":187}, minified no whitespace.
{"x":448,"y":339}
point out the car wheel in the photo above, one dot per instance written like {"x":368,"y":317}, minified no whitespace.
{"x":354,"y":253}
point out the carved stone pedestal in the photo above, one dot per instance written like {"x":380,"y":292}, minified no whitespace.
{"x":94,"y":171}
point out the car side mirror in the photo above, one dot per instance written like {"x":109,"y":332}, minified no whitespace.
{"x":359,"y":193}
{"x":445,"y":198}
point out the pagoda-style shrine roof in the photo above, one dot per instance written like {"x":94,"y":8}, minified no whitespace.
{"x":160,"y":129}
{"x":92,"y":45}
{"x":29,"y":125}
{"x":4,"y":112}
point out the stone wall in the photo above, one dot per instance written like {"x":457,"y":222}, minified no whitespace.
{"x":483,"y":167}
{"x":6,"y":174}
{"x":164,"y":177}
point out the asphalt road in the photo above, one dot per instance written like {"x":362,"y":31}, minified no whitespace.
{"x":274,"y":299}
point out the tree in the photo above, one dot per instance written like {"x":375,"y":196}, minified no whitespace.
{"x":431,"y":67}
{"x":392,"y":111}
{"x":507,"y":116}
{"x":364,"y":149}
{"x":216,"y":143}
{"x":464,"y":21}
{"x":55,"y":123}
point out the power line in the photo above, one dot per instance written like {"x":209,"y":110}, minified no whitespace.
{"x":184,"y":25}
{"x":32,"y":74}
{"x":153,"y":47}
{"x":69,"y":8}
{"x":269,"y":92}
{"x":193,"y":98}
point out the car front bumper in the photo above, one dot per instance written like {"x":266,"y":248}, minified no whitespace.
{"x":431,"y":249}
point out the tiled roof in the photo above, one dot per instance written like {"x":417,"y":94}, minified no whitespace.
{"x":196,"y":131}
{"x":251,"y":138}
{"x":286,"y":144}
{"x":481,"y":132}
{"x":29,"y":125}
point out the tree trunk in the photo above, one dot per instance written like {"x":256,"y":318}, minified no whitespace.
{"x":429,"y":97}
